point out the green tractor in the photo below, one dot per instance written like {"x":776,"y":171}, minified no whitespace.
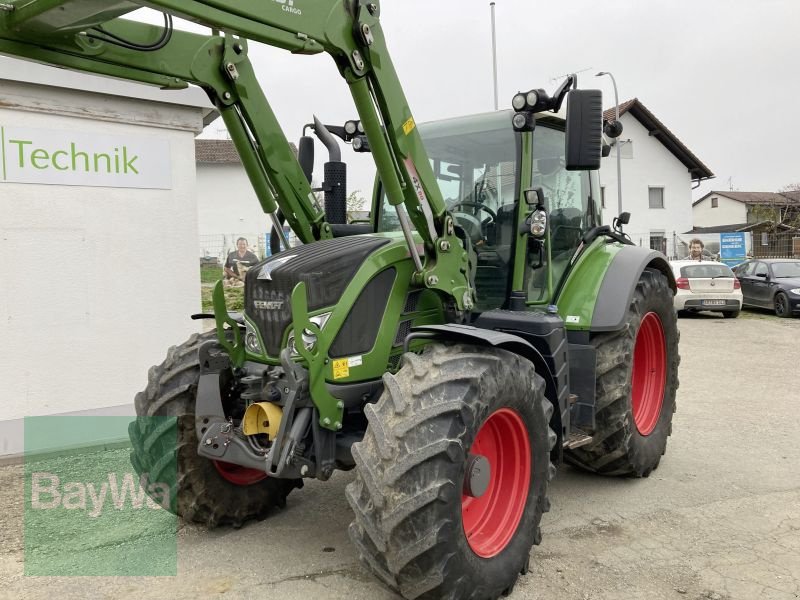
{"x":482,"y":328}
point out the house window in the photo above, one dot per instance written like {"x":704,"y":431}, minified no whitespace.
{"x":603,"y":196}
{"x":714,"y":202}
{"x":658,"y":241}
{"x":656,"y":197}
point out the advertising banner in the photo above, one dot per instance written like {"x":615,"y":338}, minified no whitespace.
{"x":733,"y":248}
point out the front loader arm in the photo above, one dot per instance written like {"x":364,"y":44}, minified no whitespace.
{"x":65,"y":33}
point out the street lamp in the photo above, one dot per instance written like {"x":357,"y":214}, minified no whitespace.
{"x":619,"y":131}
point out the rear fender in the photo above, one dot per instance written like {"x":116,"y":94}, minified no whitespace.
{"x":619,"y":283}
{"x":600,"y":286}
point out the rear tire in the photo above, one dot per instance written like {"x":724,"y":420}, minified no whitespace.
{"x":414,"y":527}
{"x":206,"y":491}
{"x":781,"y":303}
{"x":635,"y":402}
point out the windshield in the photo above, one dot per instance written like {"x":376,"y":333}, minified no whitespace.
{"x":474,"y":160}
{"x":786,"y":269}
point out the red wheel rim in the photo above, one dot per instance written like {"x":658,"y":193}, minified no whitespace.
{"x":491,"y":520}
{"x":649,"y":374}
{"x":237,"y":474}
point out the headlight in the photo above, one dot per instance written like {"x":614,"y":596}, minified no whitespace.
{"x":795,"y":291}
{"x":307,"y":337}
{"x":538,"y":223}
{"x":251,"y":342}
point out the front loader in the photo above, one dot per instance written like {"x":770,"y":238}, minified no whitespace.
{"x":481,"y":329}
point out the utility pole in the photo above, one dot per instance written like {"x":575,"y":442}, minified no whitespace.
{"x":494,"y":55}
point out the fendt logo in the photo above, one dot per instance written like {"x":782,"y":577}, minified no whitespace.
{"x":76,"y":158}
{"x":288,"y":6}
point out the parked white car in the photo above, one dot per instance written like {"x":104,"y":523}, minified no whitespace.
{"x":707,"y":285}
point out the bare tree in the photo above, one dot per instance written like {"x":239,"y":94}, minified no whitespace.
{"x":783,"y":208}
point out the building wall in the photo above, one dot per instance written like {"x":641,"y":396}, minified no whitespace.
{"x":651,"y":164}
{"x":227,"y":207}
{"x":727,"y":212}
{"x":97,"y":281}
{"x":226,"y":201}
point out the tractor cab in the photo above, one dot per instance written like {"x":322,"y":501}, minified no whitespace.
{"x":483,"y":168}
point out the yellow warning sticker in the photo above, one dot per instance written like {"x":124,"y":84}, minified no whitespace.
{"x":341,"y":368}
{"x":409,"y":125}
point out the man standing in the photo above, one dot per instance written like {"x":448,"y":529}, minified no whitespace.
{"x":696,"y":247}
{"x":239,"y":257}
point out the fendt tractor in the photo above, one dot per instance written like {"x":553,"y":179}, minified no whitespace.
{"x":482,"y":328}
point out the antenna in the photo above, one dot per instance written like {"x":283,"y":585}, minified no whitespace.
{"x":560,"y":77}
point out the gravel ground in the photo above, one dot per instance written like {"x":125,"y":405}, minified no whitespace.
{"x":719,"y":519}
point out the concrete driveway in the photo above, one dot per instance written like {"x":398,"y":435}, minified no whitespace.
{"x":719,"y":519}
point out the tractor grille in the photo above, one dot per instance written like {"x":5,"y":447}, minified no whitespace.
{"x":326,"y":267}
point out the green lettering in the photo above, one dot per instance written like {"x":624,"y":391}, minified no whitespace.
{"x":129,"y":163}
{"x":75,"y":156}
{"x":55,"y":162}
{"x":40,"y":154}
{"x":97,"y":158}
{"x":116,"y":159}
{"x":21,"y":144}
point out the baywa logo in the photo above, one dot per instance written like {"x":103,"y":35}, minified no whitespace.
{"x":87,"y":511}
{"x":48,"y":492}
{"x":288,"y":6}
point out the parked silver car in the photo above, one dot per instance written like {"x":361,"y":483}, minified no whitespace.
{"x":706,"y":285}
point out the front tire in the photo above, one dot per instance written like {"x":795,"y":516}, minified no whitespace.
{"x":415,"y":527}
{"x":782,"y":305}
{"x":205,"y":491}
{"x":637,"y":379}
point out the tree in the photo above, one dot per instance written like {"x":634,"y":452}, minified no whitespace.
{"x":355,"y":201}
{"x":783,"y":209}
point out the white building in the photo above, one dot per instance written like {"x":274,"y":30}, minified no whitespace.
{"x":227,"y":206}
{"x":737,"y":209}
{"x":98,"y":239}
{"x":658,"y":172}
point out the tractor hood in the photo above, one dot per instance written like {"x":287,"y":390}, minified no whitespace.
{"x":326,"y":267}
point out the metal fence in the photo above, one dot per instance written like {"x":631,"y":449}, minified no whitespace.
{"x":784,"y":244}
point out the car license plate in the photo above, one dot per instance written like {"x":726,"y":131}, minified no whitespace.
{"x":713,"y":302}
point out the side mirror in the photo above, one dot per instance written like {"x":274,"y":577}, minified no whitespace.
{"x":762,"y":275}
{"x":305,"y":156}
{"x":534,"y":197}
{"x":624,"y":218}
{"x":584,"y":131}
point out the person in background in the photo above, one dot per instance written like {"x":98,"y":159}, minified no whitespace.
{"x":239,"y":257}
{"x":696,"y":247}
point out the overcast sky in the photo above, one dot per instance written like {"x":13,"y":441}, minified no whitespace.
{"x":723,"y":75}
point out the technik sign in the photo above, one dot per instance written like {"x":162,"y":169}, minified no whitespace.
{"x":72,"y":158}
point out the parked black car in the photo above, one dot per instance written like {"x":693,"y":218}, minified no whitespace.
{"x":771,"y":283}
